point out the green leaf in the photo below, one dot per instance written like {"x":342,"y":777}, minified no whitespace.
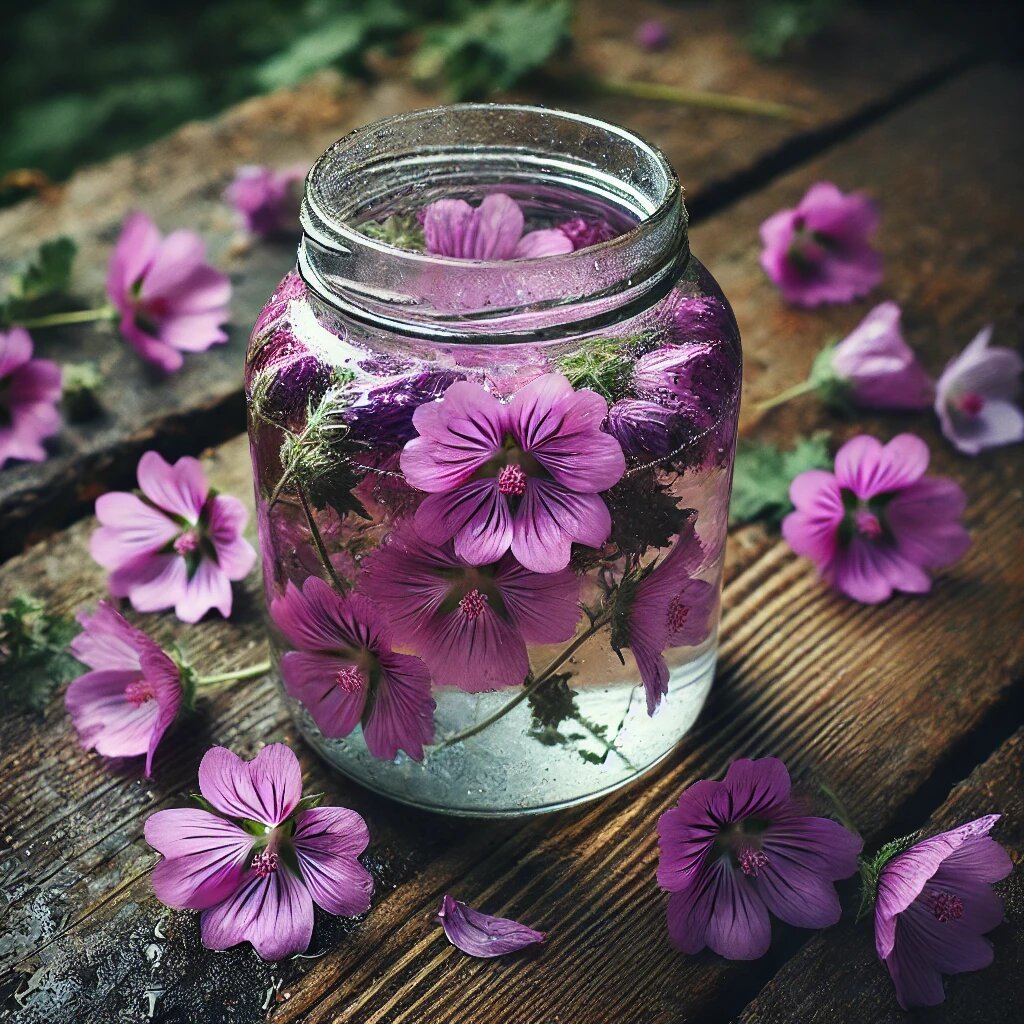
{"x":763,"y":473}
{"x":79,"y":384}
{"x":776,"y":25}
{"x":47,"y":273}
{"x":603,"y":365}
{"x":871,"y":869}
{"x":307,"y":802}
{"x":399,"y":231}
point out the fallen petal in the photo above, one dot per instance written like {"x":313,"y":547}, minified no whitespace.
{"x":480,"y":934}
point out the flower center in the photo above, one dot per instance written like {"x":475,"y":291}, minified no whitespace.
{"x":266,"y":862}
{"x":512,"y":479}
{"x":139,"y":692}
{"x":187,"y":542}
{"x":867,"y":524}
{"x":473,"y":604}
{"x":970,"y":404}
{"x":350,"y":680}
{"x":677,"y":613}
{"x":752,"y":861}
{"x":947,"y":907}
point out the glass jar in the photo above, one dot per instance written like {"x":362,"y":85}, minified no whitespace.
{"x":492,"y":416}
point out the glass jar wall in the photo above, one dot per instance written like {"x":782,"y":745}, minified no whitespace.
{"x":492,"y":416}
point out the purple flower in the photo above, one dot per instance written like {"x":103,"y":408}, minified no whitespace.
{"x":878,"y":368}
{"x":975,"y":397}
{"x":267,"y":201}
{"x":178,"y":545}
{"x":584,"y":232}
{"x":255,"y":863}
{"x":525,"y":475}
{"x":491,"y":231}
{"x":480,"y":934}
{"x":732,"y":852}
{"x":702,"y":320}
{"x":646,"y":430}
{"x":651,"y":35}
{"x":123,"y":707}
{"x":877,"y":522}
{"x":29,"y":393}
{"x":667,"y":608}
{"x":934,"y":905}
{"x":170,"y":301}
{"x":469,"y":623}
{"x":819,"y":251}
{"x":345,"y":672}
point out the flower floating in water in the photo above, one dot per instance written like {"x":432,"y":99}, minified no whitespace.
{"x":584,"y":231}
{"x":731,"y":852}
{"x":267,"y":200}
{"x":975,"y":397}
{"x":525,"y":475}
{"x":345,"y":672}
{"x":257,"y":857}
{"x":819,"y":252}
{"x":123,"y":707}
{"x":934,"y":903}
{"x":469,"y":623}
{"x":481,"y":934}
{"x":178,"y":545}
{"x":876,"y":523}
{"x":168,"y":299}
{"x":491,"y":231}
{"x":29,"y":393}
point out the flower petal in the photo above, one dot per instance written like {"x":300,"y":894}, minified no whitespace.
{"x":866,"y":467}
{"x":482,"y":935}
{"x":265,"y":789}
{"x":402,"y":717}
{"x":108,"y":641}
{"x":546,"y":242}
{"x":476,"y":514}
{"x":208,"y":587}
{"x":129,"y":529}
{"x":311,"y":678}
{"x":796,"y":894}
{"x":227,"y":519}
{"x":739,"y":928}
{"x":136,"y":246}
{"x":818,"y":844}
{"x":544,"y":606}
{"x":756,"y":788}
{"x":151,"y":582}
{"x":550,"y":518}
{"x":180,"y":489}
{"x":327,"y":842}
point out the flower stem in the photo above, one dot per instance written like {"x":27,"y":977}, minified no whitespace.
{"x":321,"y":548}
{"x":695,"y":98}
{"x":803,"y":388}
{"x":78,"y":316}
{"x":251,"y":672}
{"x":535,"y":684}
{"x":841,"y":813}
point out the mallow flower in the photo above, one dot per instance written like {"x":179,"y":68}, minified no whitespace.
{"x":876,"y":523}
{"x":975,"y":397}
{"x":177,"y":544}
{"x":256,"y":856}
{"x":29,"y":396}
{"x":267,"y":200}
{"x":735,"y":851}
{"x":933,"y":904}
{"x":483,"y":935}
{"x":820,"y":251}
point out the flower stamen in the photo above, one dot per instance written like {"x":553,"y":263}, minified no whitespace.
{"x":349,"y":680}
{"x":971,"y":404}
{"x":677,"y":614}
{"x":752,"y":861}
{"x":266,"y":862}
{"x":473,"y":604}
{"x":139,"y":692}
{"x":867,"y":524}
{"x":187,"y":543}
{"x":512,"y":480}
{"x":947,"y":907}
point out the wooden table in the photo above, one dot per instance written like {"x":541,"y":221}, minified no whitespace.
{"x":910,"y":711}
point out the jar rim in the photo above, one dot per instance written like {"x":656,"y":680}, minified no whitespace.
{"x":404,"y":290}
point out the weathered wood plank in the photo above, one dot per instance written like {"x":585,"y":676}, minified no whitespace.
{"x":179,"y":181}
{"x":805,"y":675}
{"x":837,"y":975}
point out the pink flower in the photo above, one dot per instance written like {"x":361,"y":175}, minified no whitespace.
{"x":123,"y":707}
{"x":345,"y":672}
{"x":170,"y":301}
{"x":469,"y":623}
{"x":29,"y":393}
{"x":877,"y":368}
{"x":177,"y":546}
{"x":257,"y":859}
{"x":975,"y":397}
{"x":819,"y":252}
{"x":525,"y":475}
{"x":652,"y":35}
{"x":732,"y":852}
{"x":491,"y":231}
{"x":481,"y":934}
{"x":667,"y":608}
{"x":934,"y":904}
{"x":877,"y":523}
{"x":267,"y":201}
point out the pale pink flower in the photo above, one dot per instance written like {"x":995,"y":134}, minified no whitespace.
{"x":29,"y":393}
{"x":267,"y":200}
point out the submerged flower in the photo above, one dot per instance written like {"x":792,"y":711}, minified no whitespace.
{"x":934,"y":904}
{"x":731,"y":852}
{"x":345,"y":673}
{"x":491,"y":231}
{"x":524,"y":475}
{"x":29,"y":393}
{"x":646,"y":430}
{"x":819,"y":251}
{"x":267,"y":200}
{"x":481,"y":934}
{"x":584,"y":232}
{"x":177,"y":545}
{"x":975,"y":396}
{"x":169,"y":300}
{"x":469,"y":623}
{"x":667,"y":608}
{"x":257,"y":860}
{"x":703,"y":319}
{"x":877,"y":523}
{"x":123,"y":707}
{"x":651,"y":35}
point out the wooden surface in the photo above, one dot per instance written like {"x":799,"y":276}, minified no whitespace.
{"x":896,"y":707}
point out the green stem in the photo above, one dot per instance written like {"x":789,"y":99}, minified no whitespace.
{"x":803,"y":388}
{"x":532,"y":687}
{"x":78,"y":316}
{"x":252,"y":672}
{"x":838,"y":807}
{"x":695,"y":98}
{"x":318,"y":541}
{"x":608,"y":744}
